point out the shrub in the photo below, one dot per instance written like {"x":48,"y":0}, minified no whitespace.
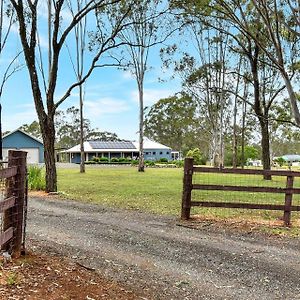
{"x":96,"y":159}
{"x":36,"y":178}
{"x":280,"y":161}
{"x":179,"y":163}
{"x":103,"y":159}
{"x":163,"y":160}
{"x":134,"y":162}
{"x":114,"y":159}
{"x":149,"y":163}
{"x":122,"y":159}
{"x":197,"y":156}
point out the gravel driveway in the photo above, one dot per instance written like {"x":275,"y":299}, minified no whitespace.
{"x":157,"y":259}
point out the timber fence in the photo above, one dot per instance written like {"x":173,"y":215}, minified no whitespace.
{"x":286,"y":204}
{"x":13,"y":203}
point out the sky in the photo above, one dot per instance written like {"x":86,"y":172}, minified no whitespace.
{"x":111,"y":95}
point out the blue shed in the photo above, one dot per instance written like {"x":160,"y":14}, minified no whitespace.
{"x":21,"y":140}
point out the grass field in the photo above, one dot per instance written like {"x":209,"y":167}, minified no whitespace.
{"x":156,"y":190}
{"x":159,"y":191}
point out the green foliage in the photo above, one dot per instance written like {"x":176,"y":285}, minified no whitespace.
{"x":12,"y":278}
{"x":96,"y":159}
{"x":163,"y":160}
{"x":280,"y":161}
{"x":251,"y":152}
{"x":114,"y":159}
{"x":197,"y":156}
{"x":103,"y":159}
{"x":36,"y":178}
{"x":173,"y":122}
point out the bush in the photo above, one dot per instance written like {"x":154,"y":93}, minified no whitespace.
{"x":149,"y":163}
{"x":122,"y":159}
{"x":179,"y":163}
{"x":96,"y":159}
{"x":103,"y":159}
{"x":36,"y":178}
{"x":134,"y":162}
{"x":163,"y":160}
{"x":197,"y":156}
{"x":114,"y":159}
{"x":280,"y":161}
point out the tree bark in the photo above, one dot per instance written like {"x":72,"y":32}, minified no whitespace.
{"x":48,"y":133}
{"x":265,"y":145}
{"x":141,"y":167}
{"x":82,"y":154}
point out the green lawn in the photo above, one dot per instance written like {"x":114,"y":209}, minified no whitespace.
{"x":159,"y":190}
{"x":156,"y":190}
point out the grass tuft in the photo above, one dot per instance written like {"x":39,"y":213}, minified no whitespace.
{"x":36,"y":178}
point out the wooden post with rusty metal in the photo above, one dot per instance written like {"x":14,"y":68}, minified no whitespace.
{"x":288,"y":200}
{"x":16,"y":186}
{"x":187,"y":188}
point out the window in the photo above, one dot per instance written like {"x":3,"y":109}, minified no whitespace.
{"x":168,"y":152}
{"x":160,"y":153}
{"x":154,"y":153}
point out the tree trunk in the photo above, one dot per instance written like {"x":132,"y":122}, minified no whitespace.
{"x":141,"y":167}
{"x":265,"y":145}
{"x":82,"y":154}
{"x":48,"y":133}
{"x":292,"y":98}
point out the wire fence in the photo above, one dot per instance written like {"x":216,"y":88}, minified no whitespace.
{"x":216,"y":190}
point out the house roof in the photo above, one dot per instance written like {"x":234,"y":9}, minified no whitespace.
{"x":111,"y":145}
{"x":117,"y":146}
{"x":24,"y":132}
{"x":291,"y":157}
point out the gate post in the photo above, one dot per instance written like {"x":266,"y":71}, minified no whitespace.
{"x":288,"y":201}
{"x":187,"y":188}
{"x":16,"y":186}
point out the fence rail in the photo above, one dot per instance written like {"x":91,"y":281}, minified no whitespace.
{"x":12,"y":206}
{"x":188,"y":186}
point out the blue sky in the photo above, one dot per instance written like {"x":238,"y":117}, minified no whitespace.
{"x":111,"y":100}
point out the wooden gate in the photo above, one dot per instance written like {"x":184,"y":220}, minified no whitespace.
{"x":13,"y":203}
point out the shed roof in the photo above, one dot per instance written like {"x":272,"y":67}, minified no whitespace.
{"x":24,"y":132}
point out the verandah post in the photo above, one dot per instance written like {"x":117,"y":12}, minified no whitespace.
{"x":187,"y":188}
{"x":288,"y":200}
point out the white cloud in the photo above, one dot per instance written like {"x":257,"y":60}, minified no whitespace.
{"x":105,"y":106}
{"x":151,"y":96}
{"x":18,"y":119}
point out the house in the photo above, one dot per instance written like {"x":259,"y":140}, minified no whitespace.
{"x":116,"y":149}
{"x":21,"y":140}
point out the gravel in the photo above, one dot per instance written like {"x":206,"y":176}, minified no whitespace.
{"x":157,"y":259}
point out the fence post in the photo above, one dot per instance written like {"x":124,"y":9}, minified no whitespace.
{"x":288,"y":201}
{"x":187,"y":188}
{"x":16,"y":186}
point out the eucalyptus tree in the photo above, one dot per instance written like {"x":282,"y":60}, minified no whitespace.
{"x":80,"y":33}
{"x":150,"y":27}
{"x":7,"y":20}
{"x":173,"y":121}
{"x":44,"y":92}
{"x":278,"y":22}
{"x":203,"y":68}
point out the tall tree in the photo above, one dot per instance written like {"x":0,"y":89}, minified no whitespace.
{"x":173,"y":122}
{"x":7,"y":19}
{"x":45,"y":102}
{"x":149,"y":28}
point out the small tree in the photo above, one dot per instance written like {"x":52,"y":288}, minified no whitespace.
{"x":44,"y":91}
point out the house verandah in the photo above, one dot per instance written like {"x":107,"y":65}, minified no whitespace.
{"x":118,"y":149}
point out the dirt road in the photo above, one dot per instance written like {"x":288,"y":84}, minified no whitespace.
{"x":154,"y":257}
